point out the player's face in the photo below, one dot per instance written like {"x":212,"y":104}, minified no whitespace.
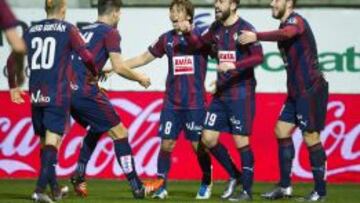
{"x":223,"y":9}
{"x":177,"y":14}
{"x":278,"y":8}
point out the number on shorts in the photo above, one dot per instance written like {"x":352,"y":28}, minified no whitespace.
{"x":210,"y":119}
{"x":168,"y":126}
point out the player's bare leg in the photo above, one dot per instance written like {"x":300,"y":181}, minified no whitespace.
{"x":286,"y":154}
{"x":247,"y":162}
{"x":210,"y":139}
{"x":204,"y":160}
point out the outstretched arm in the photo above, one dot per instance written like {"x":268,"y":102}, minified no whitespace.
{"x":140,"y":60}
{"x":122,"y":69}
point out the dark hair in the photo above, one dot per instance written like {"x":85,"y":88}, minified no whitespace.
{"x":105,"y":6}
{"x":294,"y":3}
{"x":188,"y":6}
{"x":237,"y":2}
{"x":52,"y":6}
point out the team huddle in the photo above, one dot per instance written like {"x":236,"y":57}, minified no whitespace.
{"x":66,"y":65}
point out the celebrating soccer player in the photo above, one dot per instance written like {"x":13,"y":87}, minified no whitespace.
{"x":184,"y":100}
{"x":233,"y":106}
{"x":50,"y":43}
{"x":91,"y":107}
{"x":305,"y":106}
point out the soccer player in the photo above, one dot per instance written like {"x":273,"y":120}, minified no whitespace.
{"x":233,"y":106}
{"x":305,"y":106}
{"x":184,"y":99}
{"x":50,"y":43}
{"x":92,"y":108}
{"x":8,"y":23}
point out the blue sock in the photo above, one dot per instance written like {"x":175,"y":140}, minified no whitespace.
{"x":286,"y":154}
{"x":204,"y":160}
{"x":222,"y":155}
{"x":47,"y":168}
{"x":247,"y":163}
{"x":318,"y":164}
{"x":126,"y":161}
{"x":163,"y":165}
{"x":87,"y":148}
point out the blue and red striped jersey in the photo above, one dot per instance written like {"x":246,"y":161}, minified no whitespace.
{"x":101,"y":39}
{"x":7,"y":18}
{"x":186,"y":71}
{"x":50,"y":43}
{"x":245,"y":58}
{"x":297,"y":46}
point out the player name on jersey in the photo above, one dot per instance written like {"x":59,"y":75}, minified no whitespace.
{"x":58,"y":27}
{"x":183,"y":65}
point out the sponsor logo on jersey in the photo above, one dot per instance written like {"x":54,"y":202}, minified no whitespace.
{"x":227,"y":56}
{"x":183,"y":65}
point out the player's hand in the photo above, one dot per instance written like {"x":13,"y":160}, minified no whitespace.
{"x":212,"y":87}
{"x":225,"y":66}
{"x":247,"y":37}
{"x":144,"y":80}
{"x":105,"y":74}
{"x":16,"y":95}
{"x":184,"y":26}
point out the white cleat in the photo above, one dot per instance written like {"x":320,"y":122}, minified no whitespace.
{"x":160,"y":194}
{"x":41,"y":197}
{"x":204,"y":192}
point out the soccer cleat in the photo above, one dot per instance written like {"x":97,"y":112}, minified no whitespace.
{"x":278,"y":193}
{"x":204,"y":192}
{"x":312,"y":197}
{"x":160,"y":194}
{"x":242,"y":196}
{"x":139,"y":193}
{"x":60,"y":192}
{"x":41,"y":197}
{"x":153,"y":185}
{"x":80,"y":186}
{"x":230,"y":188}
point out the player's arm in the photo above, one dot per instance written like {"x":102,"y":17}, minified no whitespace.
{"x":15,"y":69}
{"x":292,"y":29}
{"x":120,"y":68}
{"x":78,"y":45}
{"x":140,"y":60}
{"x":8,"y":23}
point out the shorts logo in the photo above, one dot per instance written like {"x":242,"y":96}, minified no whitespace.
{"x":126,"y":164}
{"x":227,"y":56}
{"x":192,"y":127}
{"x":39,"y":98}
{"x":301,"y":121}
{"x":183,"y":65}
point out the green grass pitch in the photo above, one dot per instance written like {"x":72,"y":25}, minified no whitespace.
{"x":100,"y":191}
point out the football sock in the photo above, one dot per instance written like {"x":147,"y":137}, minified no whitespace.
{"x":222,"y":156}
{"x":286,"y":153}
{"x":204,"y":160}
{"x":318,"y":164}
{"x":247,"y":163}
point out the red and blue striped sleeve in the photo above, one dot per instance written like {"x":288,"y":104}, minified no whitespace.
{"x":292,"y":27}
{"x":7,"y":18}
{"x":112,"y":41}
{"x":79,"y":46}
{"x":157,"y":49}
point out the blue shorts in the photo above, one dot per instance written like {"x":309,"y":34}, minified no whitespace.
{"x":308,"y":111}
{"x":173,"y":121}
{"x":95,"y":111}
{"x":234,"y":116}
{"x":53,"y":118}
